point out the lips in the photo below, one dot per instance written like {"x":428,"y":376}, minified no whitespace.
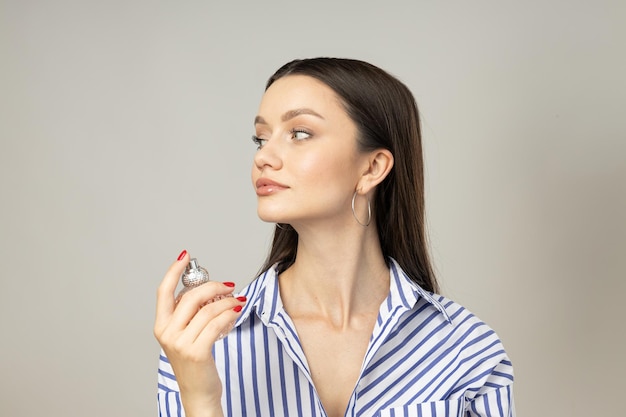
{"x":265,"y":186}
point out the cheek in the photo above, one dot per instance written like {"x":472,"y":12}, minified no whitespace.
{"x":326,"y":169}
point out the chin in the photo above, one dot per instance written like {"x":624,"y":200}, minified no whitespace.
{"x":271,"y":217}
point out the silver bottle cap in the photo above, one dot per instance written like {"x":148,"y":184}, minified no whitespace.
{"x":194,"y":274}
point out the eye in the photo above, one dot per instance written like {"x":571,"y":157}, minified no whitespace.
{"x":299,"y":134}
{"x":258,"y":141}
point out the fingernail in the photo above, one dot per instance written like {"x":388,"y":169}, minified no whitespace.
{"x":241,"y":298}
{"x":182,"y":255}
{"x":229,"y":284}
{"x":237,"y":309}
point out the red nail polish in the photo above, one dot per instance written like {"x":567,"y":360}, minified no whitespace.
{"x":182,"y":255}
{"x":242,"y":298}
{"x":237,"y":309}
{"x":229,"y":284}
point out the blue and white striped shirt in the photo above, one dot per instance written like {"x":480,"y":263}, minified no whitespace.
{"x":427,"y":356}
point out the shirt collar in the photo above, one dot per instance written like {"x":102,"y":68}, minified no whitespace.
{"x":407,"y":292}
{"x":264,"y":297}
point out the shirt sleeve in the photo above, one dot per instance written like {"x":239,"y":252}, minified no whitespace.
{"x":168,"y":393}
{"x":495,"y":399}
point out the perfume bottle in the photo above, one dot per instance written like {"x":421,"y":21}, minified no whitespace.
{"x":194,"y":276}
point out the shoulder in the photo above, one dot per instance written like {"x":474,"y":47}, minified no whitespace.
{"x":463,"y":338}
{"x":441,"y":336}
{"x":450,"y":321}
{"x":438,"y":316}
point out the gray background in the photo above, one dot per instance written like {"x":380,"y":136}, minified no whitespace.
{"x":125,"y":132}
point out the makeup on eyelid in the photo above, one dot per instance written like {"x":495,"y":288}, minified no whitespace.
{"x":297,"y":134}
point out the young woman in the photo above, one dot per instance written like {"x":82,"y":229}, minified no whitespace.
{"x":344,"y":319}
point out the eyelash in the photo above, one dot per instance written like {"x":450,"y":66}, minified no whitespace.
{"x":296,"y":131}
{"x":259,"y":142}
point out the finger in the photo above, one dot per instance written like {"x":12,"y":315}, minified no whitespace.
{"x":211,"y":313}
{"x":165,"y":293}
{"x":206,"y":292}
{"x":218,"y":326}
{"x":195,"y":299}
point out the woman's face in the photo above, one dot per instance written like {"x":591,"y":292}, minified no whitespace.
{"x":308,"y":165}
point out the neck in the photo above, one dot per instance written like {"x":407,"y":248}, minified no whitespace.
{"x":337,"y":275}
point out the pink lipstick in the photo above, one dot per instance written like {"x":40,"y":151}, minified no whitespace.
{"x":265,"y":187}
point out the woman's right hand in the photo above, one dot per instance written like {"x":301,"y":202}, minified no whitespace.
{"x":187,"y":331}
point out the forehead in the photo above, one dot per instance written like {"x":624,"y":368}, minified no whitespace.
{"x":299,"y":91}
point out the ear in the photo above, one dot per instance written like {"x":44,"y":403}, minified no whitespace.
{"x":378,"y":164}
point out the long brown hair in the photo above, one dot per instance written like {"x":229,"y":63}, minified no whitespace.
{"x":386,"y":116}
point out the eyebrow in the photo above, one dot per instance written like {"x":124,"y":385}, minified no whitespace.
{"x":290,"y":115}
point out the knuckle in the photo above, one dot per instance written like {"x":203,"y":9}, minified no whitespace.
{"x":179,"y":346}
{"x":166,"y":337}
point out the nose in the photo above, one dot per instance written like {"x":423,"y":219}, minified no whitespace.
{"x":268,"y":156}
